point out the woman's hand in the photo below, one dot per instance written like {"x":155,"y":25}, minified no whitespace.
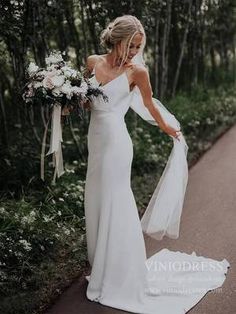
{"x":172,"y":132}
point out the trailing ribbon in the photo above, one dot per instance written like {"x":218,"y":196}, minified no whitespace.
{"x":55,"y":144}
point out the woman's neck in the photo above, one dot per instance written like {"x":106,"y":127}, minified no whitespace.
{"x":113,"y":60}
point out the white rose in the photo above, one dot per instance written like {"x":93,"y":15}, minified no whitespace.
{"x":32,"y":68}
{"x":66,"y":70}
{"x":47,"y":82}
{"x":58,"y":80}
{"x":69,"y":72}
{"x":67,"y":90}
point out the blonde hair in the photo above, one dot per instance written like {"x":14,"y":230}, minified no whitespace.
{"x":122,"y":30}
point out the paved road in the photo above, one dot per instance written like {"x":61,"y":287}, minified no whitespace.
{"x":208,"y":227}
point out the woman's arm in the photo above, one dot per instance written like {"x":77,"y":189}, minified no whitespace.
{"x":90,"y":63}
{"x":141,"y":79}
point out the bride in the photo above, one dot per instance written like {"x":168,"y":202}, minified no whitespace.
{"x":122,"y":277}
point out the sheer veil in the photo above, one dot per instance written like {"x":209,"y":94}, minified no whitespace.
{"x":163,"y":214}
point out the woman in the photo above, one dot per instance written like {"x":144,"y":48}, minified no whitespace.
{"x":122,"y":276}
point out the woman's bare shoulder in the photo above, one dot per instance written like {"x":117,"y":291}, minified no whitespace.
{"x":92,"y":60}
{"x":139,"y":71}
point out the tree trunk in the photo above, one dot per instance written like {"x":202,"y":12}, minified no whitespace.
{"x":61,"y":34}
{"x":91,"y":25}
{"x":213,"y":62}
{"x":4,"y":133}
{"x":182,"y":50}
{"x":69,"y":13}
{"x":85,"y":45}
{"x":165,"y":52}
{"x":234,"y":60}
{"x":156,"y":52}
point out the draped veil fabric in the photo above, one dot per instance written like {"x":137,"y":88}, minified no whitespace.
{"x":162,"y":216}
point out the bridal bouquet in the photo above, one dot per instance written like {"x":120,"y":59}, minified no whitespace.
{"x":64,"y":90}
{"x":58,"y":84}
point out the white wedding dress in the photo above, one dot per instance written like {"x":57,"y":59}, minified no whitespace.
{"x":122,"y":277}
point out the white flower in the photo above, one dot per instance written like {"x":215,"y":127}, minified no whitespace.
{"x":2,"y":210}
{"x":32,"y":68}
{"x":51,"y":68}
{"x":70,"y":170}
{"x":42,"y":247}
{"x":26,"y":245}
{"x":29,"y":219}
{"x":76,"y":90}
{"x":84,"y":87}
{"x":54,"y":58}
{"x":41,"y":74}
{"x":67,"y":89}
{"x":37,"y":84}
{"x":56,"y":91}
{"x":47,"y":218}
{"x":147,"y":135}
{"x":66,"y":231}
{"x":18,"y":254}
{"x":58,"y":80}
{"x":80,"y":188}
{"x":140,"y":130}
{"x":80,"y":90}
{"x":69,"y":72}
{"x":47,"y":83}
{"x":74,"y":73}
